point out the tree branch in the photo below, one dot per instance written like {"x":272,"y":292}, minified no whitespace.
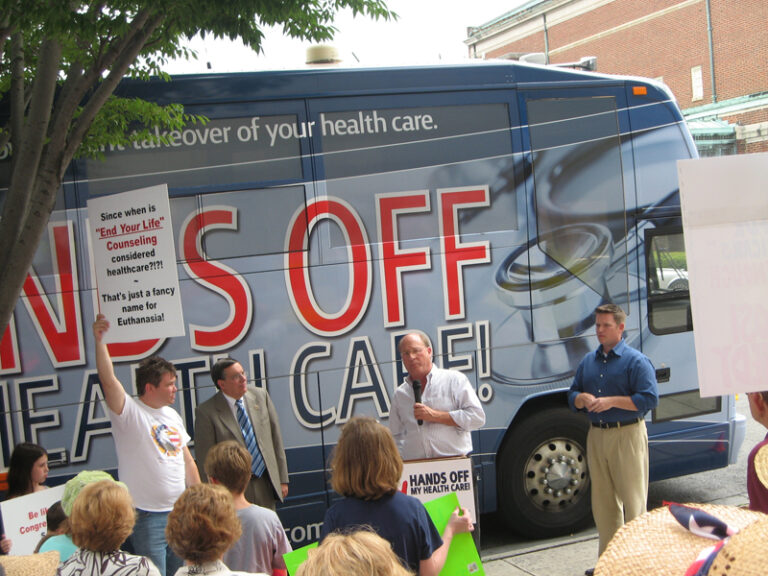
{"x":18,"y":101}
{"x":6,"y":29}
{"x":125,"y":58}
{"x":73,"y":93}
{"x":14,"y":272}
{"x":29,"y":152}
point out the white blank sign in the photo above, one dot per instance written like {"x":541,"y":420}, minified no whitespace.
{"x":725,"y":222}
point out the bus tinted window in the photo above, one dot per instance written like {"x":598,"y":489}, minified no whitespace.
{"x":580,"y":205}
{"x":669,"y":302}
{"x":260,"y":231}
{"x":231,"y":150}
{"x":397,"y":150}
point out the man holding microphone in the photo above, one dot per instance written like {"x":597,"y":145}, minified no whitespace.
{"x":433,"y":411}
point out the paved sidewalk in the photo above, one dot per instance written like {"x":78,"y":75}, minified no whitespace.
{"x":568,"y":556}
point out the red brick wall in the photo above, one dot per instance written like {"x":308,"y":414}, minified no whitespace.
{"x":747,"y":118}
{"x":531,"y":43}
{"x":756,"y":147}
{"x":669,"y":45}
{"x":740,"y":30}
{"x":742,"y":147}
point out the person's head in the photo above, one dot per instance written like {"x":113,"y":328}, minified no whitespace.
{"x":55,"y":519}
{"x":27,"y":469}
{"x":203,"y":524}
{"x":75,"y":485}
{"x":102,"y":516}
{"x":758,"y":406}
{"x":609,"y":325}
{"x":156,"y":381}
{"x":229,"y":464}
{"x":229,"y":376}
{"x":416,"y":353}
{"x":353,"y":554}
{"x":365,"y":463}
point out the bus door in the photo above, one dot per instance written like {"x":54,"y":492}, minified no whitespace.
{"x":429,"y":180}
{"x":688,"y":433}
{"x":580,"y":252}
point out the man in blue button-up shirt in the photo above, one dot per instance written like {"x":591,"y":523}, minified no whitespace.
{"x":615,"y":385}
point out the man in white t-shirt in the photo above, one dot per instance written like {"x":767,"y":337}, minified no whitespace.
{"x":153,"y":459}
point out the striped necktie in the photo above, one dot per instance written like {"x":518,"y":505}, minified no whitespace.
{"x":257,"y":460}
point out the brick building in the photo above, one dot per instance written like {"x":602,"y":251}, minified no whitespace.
{"x":713,"y":54}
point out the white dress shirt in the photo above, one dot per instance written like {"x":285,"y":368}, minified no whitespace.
{"x":446,"y":390}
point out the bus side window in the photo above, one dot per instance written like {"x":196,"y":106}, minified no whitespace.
{"x":669,"y":301}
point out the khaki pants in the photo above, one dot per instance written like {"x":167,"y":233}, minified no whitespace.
{"x":618,"y":469}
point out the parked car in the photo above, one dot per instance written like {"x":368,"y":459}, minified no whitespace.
{"x":672,"y":279}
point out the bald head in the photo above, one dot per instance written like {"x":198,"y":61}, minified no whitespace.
{"x":416,"y":353}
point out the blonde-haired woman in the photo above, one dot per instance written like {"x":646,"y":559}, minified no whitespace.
{"x":102,"y":518}
{"x":353,"y":554}
{"x":366,"y":469}
{"x":202,"y":526}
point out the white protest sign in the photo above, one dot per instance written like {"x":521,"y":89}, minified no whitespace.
{"x":135,"y":264}
{"x":724,"y":203}
{"x":429,"y":479}
{"x":24,"y":518}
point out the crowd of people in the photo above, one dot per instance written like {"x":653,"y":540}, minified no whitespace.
{"x":173,"y":515}
{"x":170,"y":523}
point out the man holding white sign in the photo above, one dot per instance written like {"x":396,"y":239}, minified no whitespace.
{"x":153,"y":459}
{"x":433,"y":411}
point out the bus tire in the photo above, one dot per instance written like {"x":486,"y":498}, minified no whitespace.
{"x":544,"y":486}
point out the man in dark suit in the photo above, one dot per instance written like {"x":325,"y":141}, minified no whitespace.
{"x":247,"y":415}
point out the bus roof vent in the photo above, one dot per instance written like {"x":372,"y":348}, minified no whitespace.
{"x":323,"y":54}
{"x":534,"y":58}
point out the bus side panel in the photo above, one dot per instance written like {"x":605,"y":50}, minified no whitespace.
{"x":313,"y":232}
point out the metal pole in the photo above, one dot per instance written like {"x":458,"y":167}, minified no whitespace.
{"x":711,"y":52}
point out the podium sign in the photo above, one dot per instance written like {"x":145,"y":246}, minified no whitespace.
{"x":430,"y":479}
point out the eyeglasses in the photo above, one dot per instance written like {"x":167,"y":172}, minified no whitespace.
{"x":412,"y":352}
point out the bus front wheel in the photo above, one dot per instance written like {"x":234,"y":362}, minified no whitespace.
{"x":543,"y":477}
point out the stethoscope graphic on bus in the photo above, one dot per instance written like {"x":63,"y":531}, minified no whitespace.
{"x":584,"y":256}
{"x":581,"y":255}
{"x":553,"y":283}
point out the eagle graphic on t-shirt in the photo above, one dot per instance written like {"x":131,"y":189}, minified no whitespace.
{"x":168,"y":439}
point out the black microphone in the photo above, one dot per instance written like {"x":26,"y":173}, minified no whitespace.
{"x":417,"y":396}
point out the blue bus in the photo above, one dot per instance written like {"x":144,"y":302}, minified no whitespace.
{"x":321,"y":214}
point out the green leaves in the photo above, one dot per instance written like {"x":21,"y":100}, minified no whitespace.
{"x":70,"y":56}
{"x":92,"y":35}
{"x":123,"y":121}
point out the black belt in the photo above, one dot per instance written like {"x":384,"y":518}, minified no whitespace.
{"x":619,"y":424}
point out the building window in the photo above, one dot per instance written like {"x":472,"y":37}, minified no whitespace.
{"x":697,"y":84}
{"x":713,"y":137}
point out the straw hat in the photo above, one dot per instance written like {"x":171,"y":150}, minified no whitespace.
{"x":761,"y":465}
{"x":44,"y":564}
{"x":656,"y":544}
